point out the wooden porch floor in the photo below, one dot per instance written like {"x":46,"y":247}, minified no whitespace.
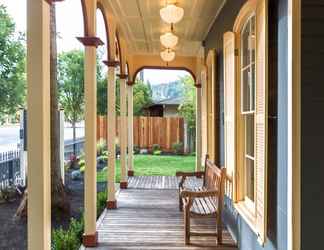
{"x":148,"y":218}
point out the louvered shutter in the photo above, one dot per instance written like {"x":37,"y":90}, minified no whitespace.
{"x":211,"y":128}
{"x":230,"y":108}
{"x":261,"y":113}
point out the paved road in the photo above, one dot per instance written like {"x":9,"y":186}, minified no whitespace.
{"x":9,"y":136}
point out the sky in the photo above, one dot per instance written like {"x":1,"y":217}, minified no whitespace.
{"x":69,"y":22}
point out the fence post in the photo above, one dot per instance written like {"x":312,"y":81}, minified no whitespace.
{"x":61,"y":115}
{"x":22,"y":146}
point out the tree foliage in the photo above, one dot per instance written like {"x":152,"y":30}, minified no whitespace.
{"x":71,"y":84}
{"x":12,"y":66}
{"x":187,"y":109}
{"x":142,"y":96}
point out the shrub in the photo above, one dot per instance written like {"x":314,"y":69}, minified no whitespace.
{"x":101,"y":146}
{"x":136,"y":149}
{"x":155,"y":147}
{"x":69,"y":239}
{"x":157,"y":152}
{"x":101,"y":202}
{"x":82,"y":169}
{"x":81,"y":163}
{"x":177,"y":147}
{"x":102,"y":158}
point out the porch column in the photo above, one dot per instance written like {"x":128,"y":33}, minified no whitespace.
{"x":38,"y":106}
{"x":111,"y":128}
{"x":91,"y":42}
{"x":198,"y":127}
{"x":123,"y":132}
{"x":130,"y":129}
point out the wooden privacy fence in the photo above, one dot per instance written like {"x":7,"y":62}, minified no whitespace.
{"x":148,"y":131}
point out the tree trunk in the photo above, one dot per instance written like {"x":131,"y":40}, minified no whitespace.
{"x":74,"y":138}
{"x":59,"y":198}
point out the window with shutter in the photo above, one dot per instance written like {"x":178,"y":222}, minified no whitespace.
{"x":246,"y":100}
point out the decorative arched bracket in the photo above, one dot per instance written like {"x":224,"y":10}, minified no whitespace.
{"x":198,"y":85}
{"x":52,"y":1}
{"x":90,"y":41}
{"x":111,"y":63}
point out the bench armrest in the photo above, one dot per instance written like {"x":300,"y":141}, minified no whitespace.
{"x":184,"y":175}
{"x":198,"y":194}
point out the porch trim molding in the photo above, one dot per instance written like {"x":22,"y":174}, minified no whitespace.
{"x":294,"y":125}
{"x":111,"y":63}
{"x":90,"y":41}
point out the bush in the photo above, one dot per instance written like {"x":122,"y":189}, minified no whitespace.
{"x":136,"y":149}
{"x":157,"y":152}
{"x":82,"y":169}
{"x":101,"y":202}
{"x":81,"y":163}
{"x":177,"y":147}
{"x":69,"y":239}
{"x":101,"y":146}
{"x":156,"y":147}
{"x":102,"y":158}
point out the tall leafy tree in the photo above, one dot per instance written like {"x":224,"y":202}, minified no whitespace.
{"x":12,"y":66}
{"x":71,"y":86}
{"x":187,"y":108}
{"x":142,"y":96}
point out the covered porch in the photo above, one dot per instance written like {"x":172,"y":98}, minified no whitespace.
{"x":148,"y":217}
{"x":224,"y":45}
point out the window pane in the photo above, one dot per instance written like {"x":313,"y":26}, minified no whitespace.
{"x":245,"y":46}
{"x":252,"y":87}
{"x":249,"y":174}
{"x":252,"y":39}
{"x":249,"y":135}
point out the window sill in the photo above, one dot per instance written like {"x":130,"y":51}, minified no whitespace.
{"x":247,"y":215}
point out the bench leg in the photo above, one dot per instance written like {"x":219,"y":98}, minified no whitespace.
{"x":187,"y":225}
{"x":180,"y":203}
{"x":219,"y":231}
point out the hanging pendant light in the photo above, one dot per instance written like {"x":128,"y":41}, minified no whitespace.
{"x":167,"y":55}
{"x":171,"y":13}
{"x":169,"y":40}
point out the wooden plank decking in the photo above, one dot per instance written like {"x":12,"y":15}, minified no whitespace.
{"x":150,"y":219}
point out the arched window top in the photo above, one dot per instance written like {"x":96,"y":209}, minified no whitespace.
{"x":247,"y":11}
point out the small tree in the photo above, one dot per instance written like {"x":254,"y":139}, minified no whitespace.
{"x":71,"y":87}
{"x":187,"y":109}
{"x":12,"y":66}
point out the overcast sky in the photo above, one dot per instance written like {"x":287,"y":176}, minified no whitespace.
{"x":69,"y":23}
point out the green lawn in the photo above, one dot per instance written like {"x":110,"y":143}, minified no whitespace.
{"x":155,"y":165}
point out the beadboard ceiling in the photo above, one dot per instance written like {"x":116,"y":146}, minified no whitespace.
{"x":142,"y":26}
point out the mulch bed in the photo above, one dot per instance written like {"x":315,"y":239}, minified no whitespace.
{"x":13,"y":233}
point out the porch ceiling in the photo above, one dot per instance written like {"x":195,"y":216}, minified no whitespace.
{"x":142,"y":26}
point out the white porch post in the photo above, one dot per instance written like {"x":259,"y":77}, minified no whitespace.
{"x":38,"y":106}
{"x":198,"y":128}
{"x":91,"y":42}
{"x":111,"y":124}
{"x":130,"y":130}
{"x":123,"y":132}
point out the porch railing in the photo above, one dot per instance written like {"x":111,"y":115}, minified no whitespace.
{"x":9,"y":168}
{"x":10,"y":172}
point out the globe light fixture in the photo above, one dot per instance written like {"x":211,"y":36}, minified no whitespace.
{"x":167,"y":55}
{"x":171,"y":13}
{"x":169,"y":40}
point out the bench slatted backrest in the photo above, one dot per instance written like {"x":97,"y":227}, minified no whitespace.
{"x":214,"y":179}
